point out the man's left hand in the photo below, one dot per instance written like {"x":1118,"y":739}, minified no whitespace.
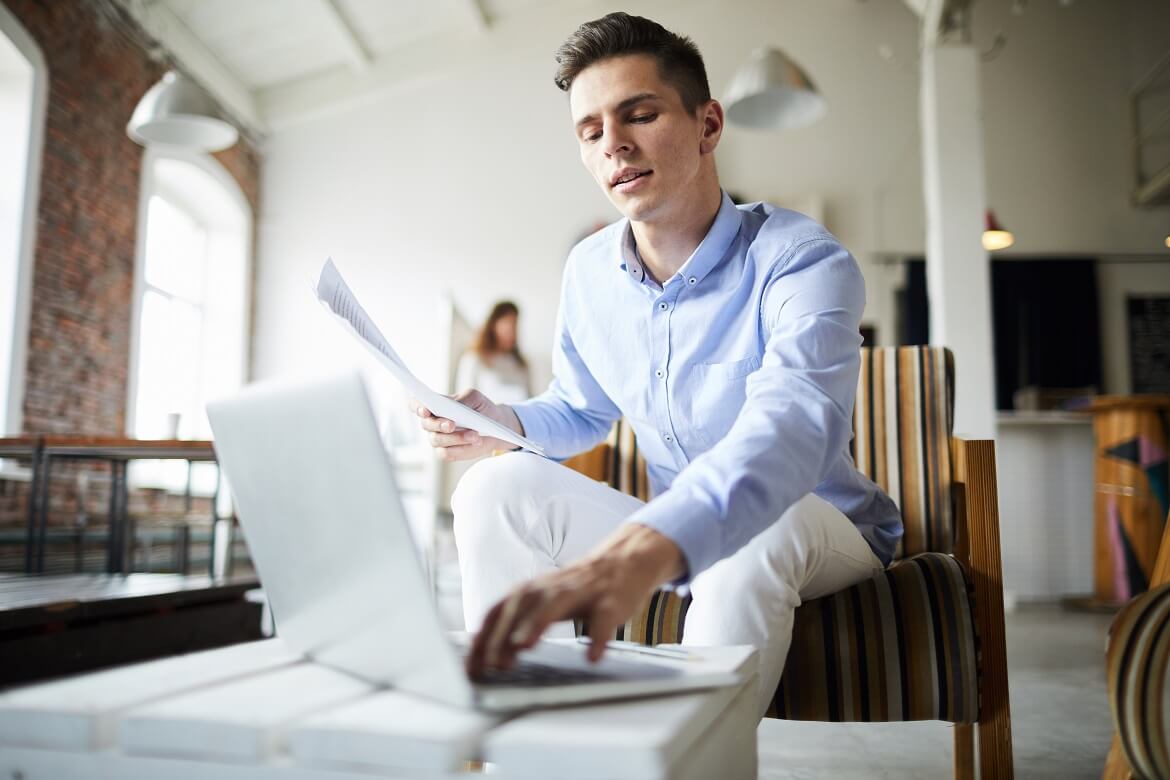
{"x":604,"y":588}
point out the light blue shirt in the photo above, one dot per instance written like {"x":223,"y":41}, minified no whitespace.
{"x":738,"y":375}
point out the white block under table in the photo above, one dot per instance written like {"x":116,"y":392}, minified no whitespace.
{"x":255,"y":711}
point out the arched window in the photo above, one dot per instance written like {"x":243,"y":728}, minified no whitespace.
{"x":23,"y":87}
{"x":190,"y":332}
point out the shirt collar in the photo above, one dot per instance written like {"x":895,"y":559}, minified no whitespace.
{"x":706,"y":255}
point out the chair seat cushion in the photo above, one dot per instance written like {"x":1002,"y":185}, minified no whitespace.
{"x":1138,"y":671}
{"x":900,"y":646}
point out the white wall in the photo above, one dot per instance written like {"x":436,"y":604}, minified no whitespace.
{"x":1058,"y":131}
{"x":469,"y":181}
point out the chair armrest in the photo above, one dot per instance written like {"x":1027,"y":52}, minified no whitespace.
{"x":594,"y":463}
{"x":977,"y":547}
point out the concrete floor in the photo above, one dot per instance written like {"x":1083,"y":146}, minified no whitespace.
{"x":1061,"y":727}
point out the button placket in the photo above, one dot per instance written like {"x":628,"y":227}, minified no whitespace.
{"x":660,"y":318}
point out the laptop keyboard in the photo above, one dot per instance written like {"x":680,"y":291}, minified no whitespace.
{"x":533,"y":674}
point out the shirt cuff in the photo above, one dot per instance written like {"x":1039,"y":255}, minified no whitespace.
{"x":681,"y":517}
{"x":535,"y":425}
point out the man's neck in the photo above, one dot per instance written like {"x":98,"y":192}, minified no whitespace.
{"x":665,"y":245}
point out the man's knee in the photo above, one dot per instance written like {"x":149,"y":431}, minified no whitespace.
{"x":777,"y":558}
{"x":485,"y":494}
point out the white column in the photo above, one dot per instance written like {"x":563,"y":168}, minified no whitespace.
{"x":958,"y":271}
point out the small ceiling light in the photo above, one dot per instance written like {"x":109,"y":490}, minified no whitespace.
{"x":177,"y":112}
{"x":994,"y":235}
{"x":1168,"y":242}
{"x":771,"y":92}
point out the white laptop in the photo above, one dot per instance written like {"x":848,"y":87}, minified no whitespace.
{"x":327,"y":533}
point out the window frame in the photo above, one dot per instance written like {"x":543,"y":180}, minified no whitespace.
{"x":12,"y":413}
{"x":150,"y":186}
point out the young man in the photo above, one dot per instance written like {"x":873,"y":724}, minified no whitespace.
{"x":728,"y":337}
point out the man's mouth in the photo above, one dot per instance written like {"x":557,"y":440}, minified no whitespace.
{"x":625,"y":177}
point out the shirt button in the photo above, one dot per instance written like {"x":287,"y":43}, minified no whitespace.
{"x":660,"y":373}
{"x":692,"y":280}
{"x":668,"y":437}
{"x":663,"y":307}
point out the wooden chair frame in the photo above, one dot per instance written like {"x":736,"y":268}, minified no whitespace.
{"x":977,"y":548}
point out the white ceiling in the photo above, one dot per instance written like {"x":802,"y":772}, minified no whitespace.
{"x":270,"y":61}
{"x":273,"y":62}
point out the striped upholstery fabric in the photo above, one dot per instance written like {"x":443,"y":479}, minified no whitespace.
{"x":898,"y":647}
{"x":902,"y":645}
{"x":1138,"y":669}
{"x":902,"y":424}
{"x":659,"y":621}
{"x":626,"y":470}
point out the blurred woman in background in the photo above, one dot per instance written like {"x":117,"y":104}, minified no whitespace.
{"x":493,"y":365}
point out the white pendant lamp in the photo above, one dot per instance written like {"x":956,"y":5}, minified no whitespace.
{"x":772,"y":92}
{"x":177,"y":112}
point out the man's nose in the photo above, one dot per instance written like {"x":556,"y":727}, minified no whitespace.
{"x":616,"y":142}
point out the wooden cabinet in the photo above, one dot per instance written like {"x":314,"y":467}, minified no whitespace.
{"x":1131,"y":499}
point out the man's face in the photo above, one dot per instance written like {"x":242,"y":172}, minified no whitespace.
{"x":639,"y":142}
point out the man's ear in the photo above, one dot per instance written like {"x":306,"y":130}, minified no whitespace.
{"x":712,"y":123}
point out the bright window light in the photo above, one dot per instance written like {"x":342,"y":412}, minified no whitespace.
{"x":192,"y":325}
{"x":22,"y":88}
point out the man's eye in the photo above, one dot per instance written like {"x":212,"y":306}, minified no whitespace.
{"x":592,"y":137}
{"x":644,"y":118}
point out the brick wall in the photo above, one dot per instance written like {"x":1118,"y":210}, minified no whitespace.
{"x":83,"y":277}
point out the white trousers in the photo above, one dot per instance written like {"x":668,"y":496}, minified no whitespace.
{"x":519,"y":515}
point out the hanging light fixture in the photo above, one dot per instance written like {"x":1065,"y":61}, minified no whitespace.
{"x":772,"y":92}
{"x":994,"y":235}
{"x":177,"y":112}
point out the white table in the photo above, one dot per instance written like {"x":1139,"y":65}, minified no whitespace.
{"x":256,"y":711}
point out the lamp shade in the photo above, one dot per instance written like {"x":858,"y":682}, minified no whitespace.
{"x":995,"y":237}
{"x":772,"y":92}
{"x":177,"y":112}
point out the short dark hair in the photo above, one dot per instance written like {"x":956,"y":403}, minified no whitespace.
{"x":619,"y":34}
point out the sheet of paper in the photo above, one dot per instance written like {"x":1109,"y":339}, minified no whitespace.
{"x":336,"y":297}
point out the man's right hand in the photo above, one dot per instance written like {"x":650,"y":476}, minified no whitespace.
{"x":454,"y":443}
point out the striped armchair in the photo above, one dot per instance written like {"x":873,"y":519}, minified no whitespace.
{"x":1137,"y":669}
{"x":924,"y":640}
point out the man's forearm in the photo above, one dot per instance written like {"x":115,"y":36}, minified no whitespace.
{"x":561,"y":428}
{"x":642,"y":549}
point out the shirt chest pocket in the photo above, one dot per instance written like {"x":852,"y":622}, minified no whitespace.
{"x":717,"y":392}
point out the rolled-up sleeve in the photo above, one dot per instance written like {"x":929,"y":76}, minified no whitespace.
{"x":796,"y":418}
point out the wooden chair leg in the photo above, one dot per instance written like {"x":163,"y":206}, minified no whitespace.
{"x":964,"y":751}
{"x":974,"y":465}
{"x":1116,"y":767}
{"x":995,"y":748}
